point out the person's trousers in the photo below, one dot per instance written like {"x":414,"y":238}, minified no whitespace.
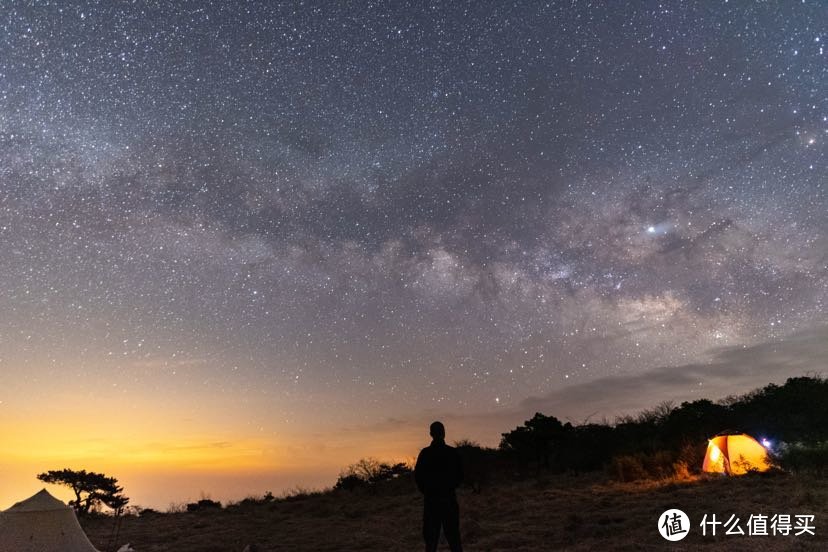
{"x":441,"y":512}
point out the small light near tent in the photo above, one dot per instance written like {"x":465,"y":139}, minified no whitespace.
{"x":766,"y":443}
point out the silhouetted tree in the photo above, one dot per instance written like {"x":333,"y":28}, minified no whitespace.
{"x":91,"y":489}
{"x":478,"y":463}
{"x":368,"y":471}
{"x":538,"y":439}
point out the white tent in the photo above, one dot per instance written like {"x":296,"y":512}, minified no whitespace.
{"x":42,"y":523}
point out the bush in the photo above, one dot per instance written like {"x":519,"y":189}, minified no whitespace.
{"x":349,"y":482}
{"x":299,"y":493}
{"x":628,"y":467}
{"x":176,"y":508}
{"x":369,"y":471}
{"x":656,"y":465}
{"x":691,"y":454}
{"x":479,"y":464}
{"x":256,"y":500}
{"x":203,"y":504}
{"x":681,"y":470}
{"x":803,"y":458}
{"x":660,"y":463}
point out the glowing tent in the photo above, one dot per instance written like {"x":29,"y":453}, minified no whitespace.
{"x":735,"y":455}
{"x":42,"y":523}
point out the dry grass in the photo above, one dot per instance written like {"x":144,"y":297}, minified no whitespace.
{"x":562,"y":512}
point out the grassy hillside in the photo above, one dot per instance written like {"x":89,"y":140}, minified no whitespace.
{"x":574,"y":512}
{"x":533,"y":494}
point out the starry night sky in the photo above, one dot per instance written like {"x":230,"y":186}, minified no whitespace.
{"x":258,"y":237}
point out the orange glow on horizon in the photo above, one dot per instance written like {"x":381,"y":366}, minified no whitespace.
{"x":165,"y":449}
{"x":158,"y":462}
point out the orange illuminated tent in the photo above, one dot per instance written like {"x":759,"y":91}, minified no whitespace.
{"x":735,"y":455}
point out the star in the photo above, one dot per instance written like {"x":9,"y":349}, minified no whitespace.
{"x":270,"y":220}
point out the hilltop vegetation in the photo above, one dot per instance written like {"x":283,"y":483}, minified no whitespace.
{"x":662,"y":442}
{"x":668,"y":440}
{"x":549,"y":485}
{"x":565,"y":511}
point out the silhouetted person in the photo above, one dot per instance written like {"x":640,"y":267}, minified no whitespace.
{"x":438,"y":472}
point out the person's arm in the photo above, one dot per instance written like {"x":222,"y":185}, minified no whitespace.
{"x":458,"y":478}
{"x":419,"y":473}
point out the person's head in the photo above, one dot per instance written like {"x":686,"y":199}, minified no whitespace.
{"x":437,"y":431}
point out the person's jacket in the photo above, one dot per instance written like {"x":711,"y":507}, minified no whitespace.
{"x":439,"y":470}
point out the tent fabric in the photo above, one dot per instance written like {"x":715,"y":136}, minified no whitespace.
{"x":735,"y":455}
{"x":42,"y":523}
{"x":40,"y":502}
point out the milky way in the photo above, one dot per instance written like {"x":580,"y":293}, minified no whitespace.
{"x":350,"y":212}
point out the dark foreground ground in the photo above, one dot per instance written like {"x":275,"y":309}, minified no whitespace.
{"x":555,"y":513}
